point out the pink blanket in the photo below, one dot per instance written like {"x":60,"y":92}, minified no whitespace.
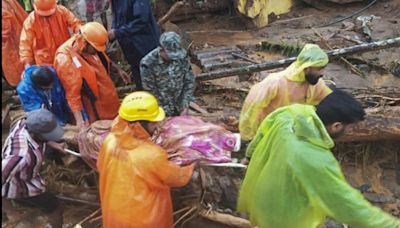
{"x":185,"y":138}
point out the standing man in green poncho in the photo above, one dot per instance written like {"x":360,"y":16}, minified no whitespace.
{"x":293,"y":180}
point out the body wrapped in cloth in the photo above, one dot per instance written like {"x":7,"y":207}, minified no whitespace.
{"x":185,"y":138}
{"x":91,"y":139}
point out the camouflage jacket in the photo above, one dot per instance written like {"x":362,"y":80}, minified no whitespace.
{"x":172,"y":84}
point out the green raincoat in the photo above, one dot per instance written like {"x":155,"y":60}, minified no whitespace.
{"x":293,"y":179}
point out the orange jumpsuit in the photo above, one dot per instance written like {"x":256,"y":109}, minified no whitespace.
{"x":41,"y":36}
{"x":135,"y":179}
{"x":12,"y":18}
{"x":73,"y":66}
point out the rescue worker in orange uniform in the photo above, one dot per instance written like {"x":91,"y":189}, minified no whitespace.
{"x":84,"y":71}
{"x":135,"y":173}
{"x":45,"y":29}
{"x":12,"y":19}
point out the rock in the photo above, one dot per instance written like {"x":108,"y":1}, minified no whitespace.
{"x":395,"y":70}
{"x":364,"y":68}
{"x":363,"y":188}
{"x":348,"y":26}
{"x":378,"y":198}
{"x":332,"y":224}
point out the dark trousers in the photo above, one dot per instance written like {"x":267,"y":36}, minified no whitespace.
{"x":136,"y":77}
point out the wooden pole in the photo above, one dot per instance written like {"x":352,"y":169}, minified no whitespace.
{"x":336,"y":53}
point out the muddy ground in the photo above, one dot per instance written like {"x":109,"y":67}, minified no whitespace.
{"x":370,"y":166}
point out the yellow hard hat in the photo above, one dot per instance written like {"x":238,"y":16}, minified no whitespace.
{"x":96,"y":35}
{"x":141,"y":106}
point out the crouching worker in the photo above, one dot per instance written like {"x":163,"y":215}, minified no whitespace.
{"x":41,"y":88}
{"x":293,"y":179}
{"x":22,"y":158}
{"x":84,"y":71}
{"x":135,"y":174}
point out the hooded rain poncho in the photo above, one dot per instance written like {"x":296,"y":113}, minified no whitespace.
{"x":283,"y":88}
{"x":135,"y":179}
{"x":293,"y":179}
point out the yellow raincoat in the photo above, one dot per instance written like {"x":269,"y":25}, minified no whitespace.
{"x":293,"y":180}
{"x":135,"y":179}
{"x":283,"y":88}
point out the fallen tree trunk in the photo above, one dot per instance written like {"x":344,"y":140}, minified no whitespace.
{"x":375,"y":127}
{"x":336,"y":53}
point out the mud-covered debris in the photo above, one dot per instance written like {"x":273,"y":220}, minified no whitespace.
{"x":379,"y":198}
{"x":395,"y":68}
{"x":362,"y":25}
{"x":348,"y":26}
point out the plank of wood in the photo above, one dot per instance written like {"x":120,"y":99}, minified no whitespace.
{"x":198,"y":108}
{"x":226,"y":219}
